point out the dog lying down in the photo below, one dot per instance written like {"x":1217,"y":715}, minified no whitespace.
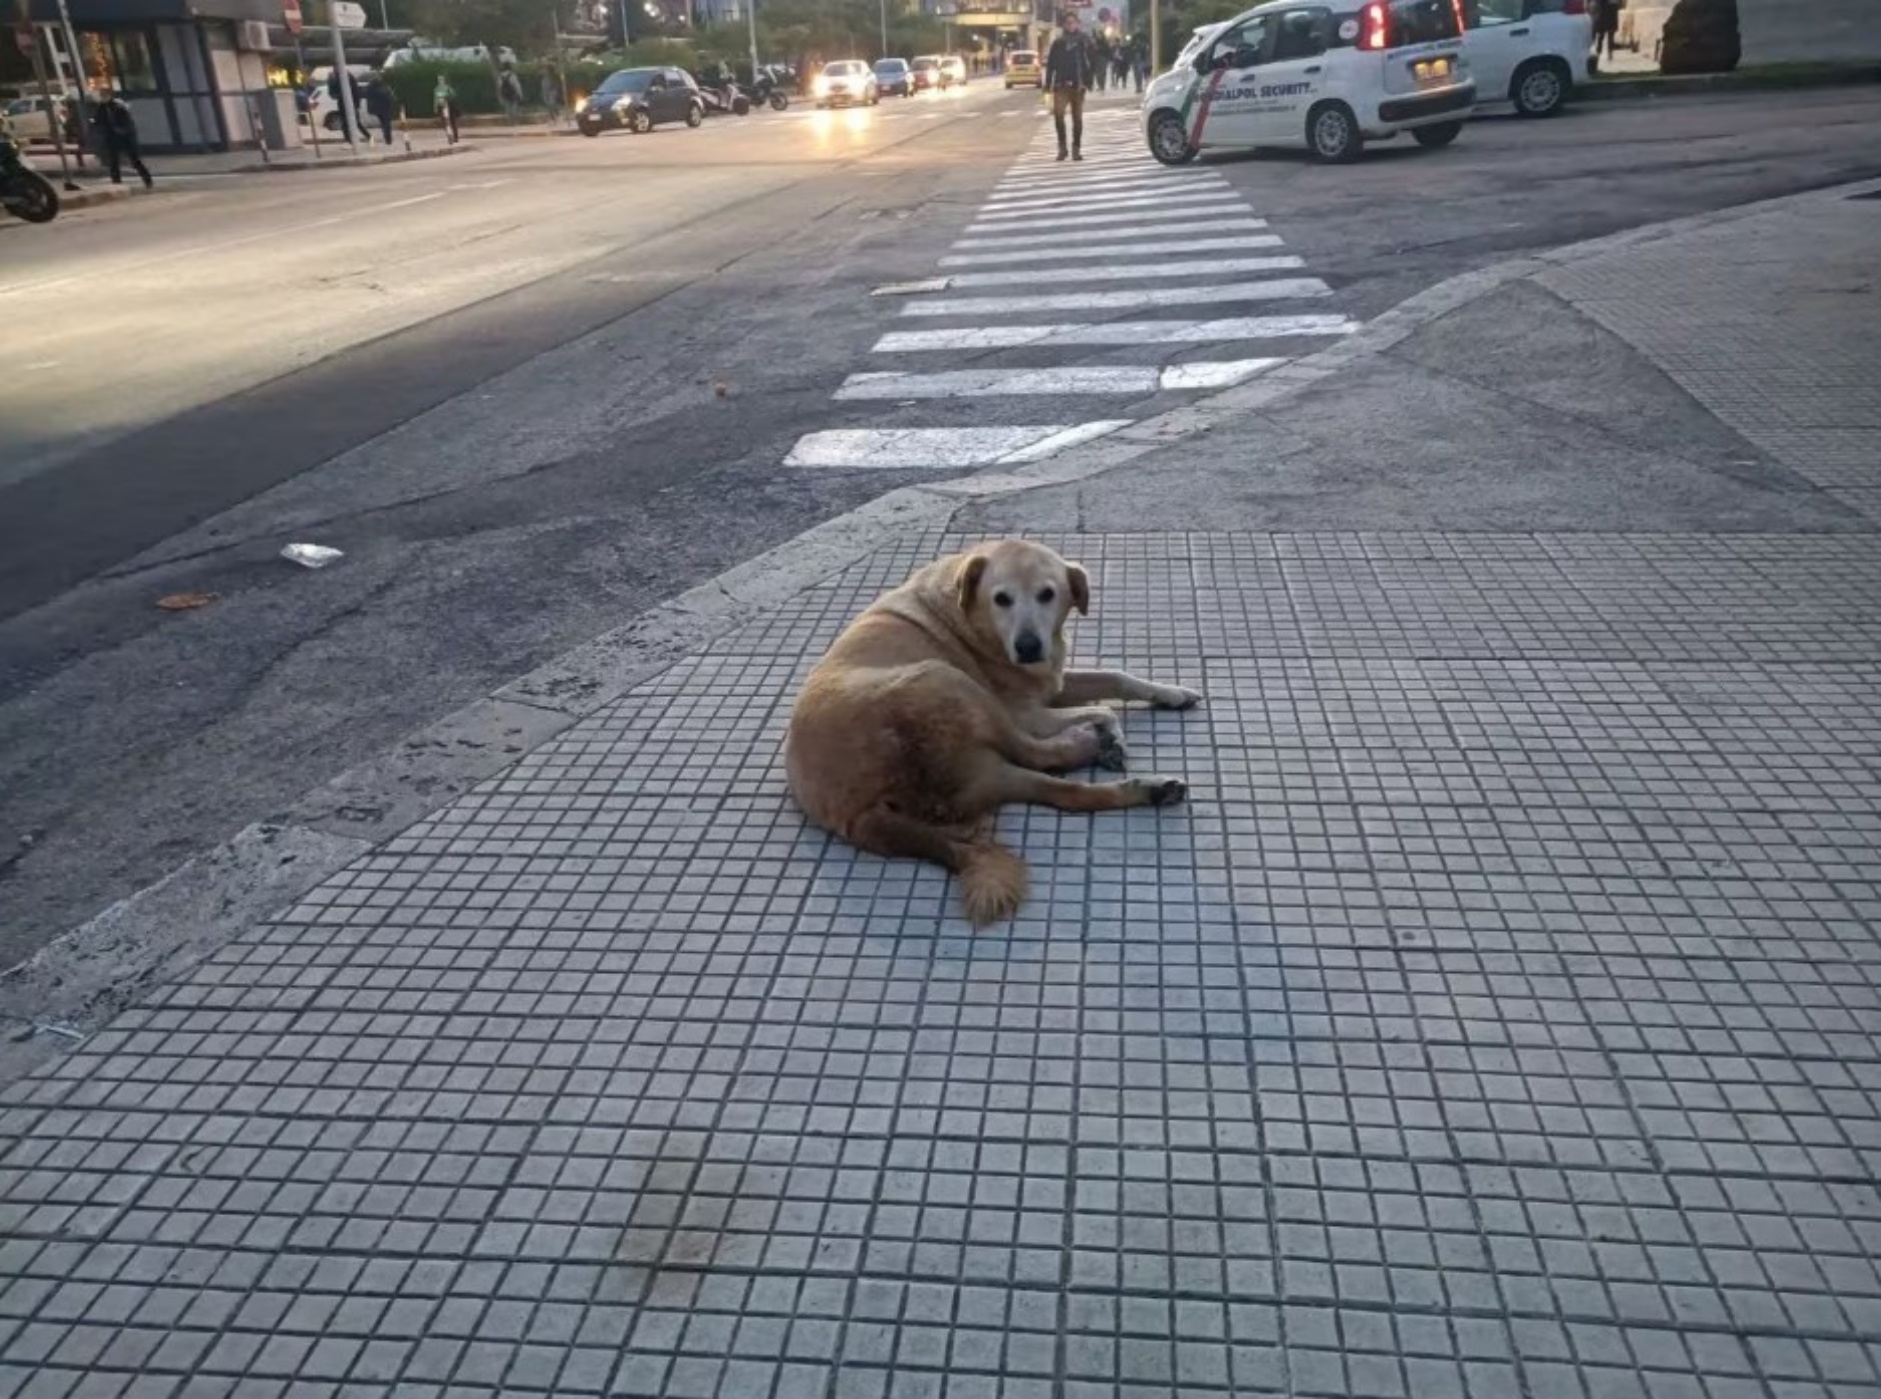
{"x":947,"y":699}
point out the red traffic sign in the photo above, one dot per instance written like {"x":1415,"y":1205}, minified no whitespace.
{"x":290,"y":13}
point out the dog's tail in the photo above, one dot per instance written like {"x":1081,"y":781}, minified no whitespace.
{"x":993,"y":880}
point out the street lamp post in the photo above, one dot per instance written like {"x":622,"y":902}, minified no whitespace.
{"x":884,"y":53}
{"x":751,"y":26}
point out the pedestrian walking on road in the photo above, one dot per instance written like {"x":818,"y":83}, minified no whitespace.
{"x":551,"y":93}
{"x":444,"y":107}
{"x":1139,"y":61}
{"x":382,"y":104}
{"x":117,"y":132}
{"x":1070,"y":67}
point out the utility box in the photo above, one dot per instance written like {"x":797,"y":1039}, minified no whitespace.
{"x":280,"y":125}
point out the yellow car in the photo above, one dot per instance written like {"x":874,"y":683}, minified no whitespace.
{"x":1022,"y":70}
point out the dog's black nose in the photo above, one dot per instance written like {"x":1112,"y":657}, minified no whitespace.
{"x":1028,"y":648}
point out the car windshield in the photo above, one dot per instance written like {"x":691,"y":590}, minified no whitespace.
{"x":1198,"y":41}
{"x":890,"y":65}
{"x":20,"y":108}
{"x":926,"y":63}
{"x":627,"y":80}
{"x":843,"y":70}
{"x":1024,"y":56}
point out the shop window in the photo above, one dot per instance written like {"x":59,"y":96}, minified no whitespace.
{"x":135,"y":71}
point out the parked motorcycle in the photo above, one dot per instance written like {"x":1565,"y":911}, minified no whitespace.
{"x":727,"y":99}
{"x":768,"y":90}
{"x":24,"y":192}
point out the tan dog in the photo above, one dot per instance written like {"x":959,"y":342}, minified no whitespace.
{"x":947,"y":699}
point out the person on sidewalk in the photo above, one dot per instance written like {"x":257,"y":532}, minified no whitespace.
{"x":551,"y":94}
{"x":382,"y":105}
{"x":509,"y":91}
{"x":1606,"y":28}
{"x":444,"y":107}
{"x":1069,"y":69}
{"x":117,"y":132}
{"x":1139,"y":61}
{"x":334,"y":79}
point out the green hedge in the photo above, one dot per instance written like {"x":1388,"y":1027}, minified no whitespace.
{"x":474,"y":83}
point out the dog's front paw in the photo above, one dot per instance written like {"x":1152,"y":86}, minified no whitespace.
{"x":1112,"y":756}
{"x":1165,"y":791}
{"x":1175,"y":697}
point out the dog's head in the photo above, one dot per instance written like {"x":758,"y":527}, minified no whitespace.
{"x":1018,"y":594}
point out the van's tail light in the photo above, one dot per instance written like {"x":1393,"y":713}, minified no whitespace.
{"x":1375,"y":22}
{"x":1456,"y":8}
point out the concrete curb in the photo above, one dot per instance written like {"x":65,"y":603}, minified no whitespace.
{"x":91,"y":196}
{"x":1626,"y":89}
{"x":84,"y":977}
{"x":350,"y":162}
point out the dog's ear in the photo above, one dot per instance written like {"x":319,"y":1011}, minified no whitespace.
{"x":1080,"y":587}
{"x":967,"y":581}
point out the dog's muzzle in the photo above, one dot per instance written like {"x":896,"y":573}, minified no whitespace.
{"x":1027,"y":649}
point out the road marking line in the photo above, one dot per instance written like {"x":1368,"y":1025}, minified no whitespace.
{"x":915,"y":449}
{"x":1085,"y":273}
{"x":1006,"y":337}
{"x":1173,"y":226}
{"x":1223,"y":204}
{"x":926,"y":284}
{"x":1011,"y":188}
{"x":1123,"y":196}
{"x":1064,"y":379}
{"x":404,"y":203}
{"x":996,"y":383}
{"x":1148,"y":200}
{"x":1071,"y":255}
{"x":1280,"y":289}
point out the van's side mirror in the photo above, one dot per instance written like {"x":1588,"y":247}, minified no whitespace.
{"x":1204,"y":62}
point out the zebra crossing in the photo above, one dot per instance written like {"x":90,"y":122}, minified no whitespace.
{"x":1082,"y":298}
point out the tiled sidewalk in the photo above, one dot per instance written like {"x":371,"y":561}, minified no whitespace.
{"x":1500,"y":1018}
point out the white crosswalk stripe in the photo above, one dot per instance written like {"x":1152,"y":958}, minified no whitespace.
{"x":1165,"y":228}
{"x":1074,"y":284}
{"x":1198,"y":245}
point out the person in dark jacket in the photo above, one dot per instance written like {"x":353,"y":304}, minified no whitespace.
{"x":1070,"y":66}
{"x":339,"y":106}
{"x":117,"y":132}
{"x":382,"y":104}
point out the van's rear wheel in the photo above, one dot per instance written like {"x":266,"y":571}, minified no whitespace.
{"x":1169,"y":139}
{"x":1442,"y":134}
{"x":1333,"y":135}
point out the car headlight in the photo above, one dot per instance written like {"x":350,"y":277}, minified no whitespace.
{"x":581,"y":105}
{"x":822,"y":87}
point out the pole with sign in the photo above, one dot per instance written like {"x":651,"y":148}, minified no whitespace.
{"x":346,"y":15}
{"x":28,"y":39}
{"x":751,"y":25}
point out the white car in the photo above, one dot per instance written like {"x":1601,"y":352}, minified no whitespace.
{"x":1528,"y":53}
{"x":1327,"y":76}
{"x":29,"y":119}
{"x":846,"y":80}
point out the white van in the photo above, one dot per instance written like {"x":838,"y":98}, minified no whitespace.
{"x":1528,"y":54}
{"x":1327,"y":75}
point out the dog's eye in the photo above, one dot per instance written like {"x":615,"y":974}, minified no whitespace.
{"x":1002,"y":599}
{"x":1046,"y":594}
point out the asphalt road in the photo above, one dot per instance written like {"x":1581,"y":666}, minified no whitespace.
{"x":534,"y":390}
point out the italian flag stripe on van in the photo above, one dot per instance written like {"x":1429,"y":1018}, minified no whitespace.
{"x":1199,"y":99}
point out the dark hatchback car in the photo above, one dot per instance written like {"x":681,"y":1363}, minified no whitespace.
{"x":639,"y":99}
{"x":894,"y":78}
